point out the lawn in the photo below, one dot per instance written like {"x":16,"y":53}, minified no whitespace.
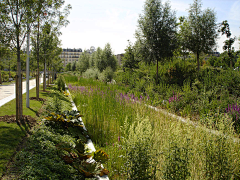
{"x":11,"y":134}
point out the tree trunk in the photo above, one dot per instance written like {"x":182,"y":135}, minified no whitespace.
{"x":37,"y":77}
{"x":52,"y":75}
{"x":44,"y":76}
{"x":0,"y":73}
{"x":198,"y":64}
{"x":9,"y":74}
{"x":19,"y":84}
{"x":157,"y":73}
{"x":229,"y":55}
{"x":48,"y":76}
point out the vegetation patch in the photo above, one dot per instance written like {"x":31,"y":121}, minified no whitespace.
{"x":120,"y":123}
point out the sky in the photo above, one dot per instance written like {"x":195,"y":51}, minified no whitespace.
{"x":98,"y":22}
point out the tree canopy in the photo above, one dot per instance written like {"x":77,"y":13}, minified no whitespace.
{"x":199,"y":30}
{"x":156,"y":32}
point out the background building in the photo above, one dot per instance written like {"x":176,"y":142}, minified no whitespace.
{"x":70,"y":55}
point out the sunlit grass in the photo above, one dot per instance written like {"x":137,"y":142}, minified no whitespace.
{"x":10,"y":107}
{"x":11,"y":134}
{"x":202,"y":154}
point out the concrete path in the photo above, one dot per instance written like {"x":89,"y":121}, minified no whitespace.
{"x":7,"y":92}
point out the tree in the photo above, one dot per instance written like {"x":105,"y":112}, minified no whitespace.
{"x":109,"y":58}
{"x":99,"y":61}
{"x":96,"y":57}
{"x":83,"y":63}
{"x":181,"y":40}
{"x":199,"y":30}
{"x":129,"y":59}
{"x":4,"y":35}
{"x":105,"y":58}
{"x":225,"y":29}
{"x":156,"y":34}
{"x":17,"y":14}
{"x":49,"y":49}
{"x":68,"y":67}
{"x":49,"y":18}
{"x":74,"y":66}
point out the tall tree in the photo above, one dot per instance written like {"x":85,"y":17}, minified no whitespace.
{"x":157,"y":31}
{"x":98,"y":59}
{"x":129,"y":60}
{"x":51,"y":13}
{"x":109,"y":58}
{"x":225,"y":29}
{"x":5,"y":35}
{"x":18,"y":13}
{"x":83,"y":63}
{"x":199,"y":31}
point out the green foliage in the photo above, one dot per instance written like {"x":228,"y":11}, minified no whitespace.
{"x":175,"y":149}
{"x":156,"y":34}
{"x":176,"y":162}
{"x":41,"y":159}
{"x":74,"y":66}
{"x":198,"y":31}
{"x":83,"y":63}
{"x":177,"y":72}
{"x":57,"y":102}
{"x":60,"y":83}
{"x":68,"y":67}
{"x":109,"y":58}
{"x":217,"y":159}
{"x":139,"y":153}
{"x":11,"y":134}
{"x":157,"y":30}
{"x":106,"y":75}
{"x":56,"y":150}
{"x":129,"y":59}
{"x":105,"y":58}
{"x":100,"y":156}
{"x":225,"y":29}
{"x":79,"y":159}
{"x":91,"y":73}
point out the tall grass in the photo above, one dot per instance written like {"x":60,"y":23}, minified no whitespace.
{"x":177,"y":151}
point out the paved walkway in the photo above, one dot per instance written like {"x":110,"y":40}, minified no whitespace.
{"x":7,"y":92}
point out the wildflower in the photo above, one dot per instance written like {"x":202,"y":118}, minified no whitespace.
{"x":118,"y":138}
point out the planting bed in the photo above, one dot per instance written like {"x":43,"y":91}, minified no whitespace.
{"x":143,"y":142}
{"x":12,"y":119}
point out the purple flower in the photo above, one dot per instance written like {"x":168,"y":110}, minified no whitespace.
{"x":118,"y":138}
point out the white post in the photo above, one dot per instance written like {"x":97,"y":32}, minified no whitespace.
{"x":27,"y":71}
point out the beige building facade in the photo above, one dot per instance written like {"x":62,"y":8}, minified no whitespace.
{"x":70,"y":55}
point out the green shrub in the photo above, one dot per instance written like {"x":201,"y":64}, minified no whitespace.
{"x":60,"y":83}
{"x":177,"y":72}
{"x":107,"y":75}
{"x":139,"y":153}
{"x":41,"y":159}
{"x":176,"y":165}
{"x":57,"y":102}
{"x":92,"y":73}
